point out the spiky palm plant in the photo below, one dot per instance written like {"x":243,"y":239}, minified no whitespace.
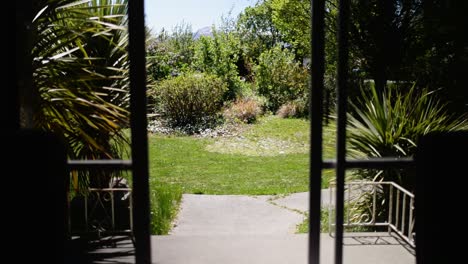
{"x":80,"y":76}
{"x":390,"y":125}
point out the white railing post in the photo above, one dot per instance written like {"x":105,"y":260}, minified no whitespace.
{"x":403,"y":214}
{"x":410,"y":227}
{"x":390,"y":208}
{"x":86,"y":212}
{"x":374,"y":204}
{"x":330,"y":188}
{"x":397,"y":211}
{"x":112,"y":208}
{"x":348,"y":208}
{"x":131,"y":212}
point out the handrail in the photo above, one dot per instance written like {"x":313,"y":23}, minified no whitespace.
{"x":400,"y":218}
{"x":108,"y":164}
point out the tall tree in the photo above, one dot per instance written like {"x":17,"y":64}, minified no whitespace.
{"x":292,"y":19}
{"x":170,"y":54}
{"x":257,"y":31}
{"x":413,"y":41}
{"x":219,"y":55}
{"x":183,"y":45}
{"x":445,"y":40}
{"x":386,"y":36}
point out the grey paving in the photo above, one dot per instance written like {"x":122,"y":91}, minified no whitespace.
{"x":300,"y":201}
{"x":240,"y":214}
{"x":233,"y":215}
{"x":272,"y":249}
{"x":359,"y":248}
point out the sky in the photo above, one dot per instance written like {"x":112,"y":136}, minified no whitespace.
{"x":198,"y":13}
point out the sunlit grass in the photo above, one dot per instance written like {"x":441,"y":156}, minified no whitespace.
{"x":186,"y":161}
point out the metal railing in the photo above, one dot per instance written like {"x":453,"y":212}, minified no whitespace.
{"x":362,"y":210}
{"x":101,"y":212}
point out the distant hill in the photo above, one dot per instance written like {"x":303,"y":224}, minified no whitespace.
{"x":204,"y":31}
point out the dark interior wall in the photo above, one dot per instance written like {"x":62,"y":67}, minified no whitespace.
{"x":12,"y":71}
{"x":33,"y":162}
{"x":35,"y":166}
{"x":441,"y":198}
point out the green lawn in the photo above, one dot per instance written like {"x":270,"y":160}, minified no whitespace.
{"x":269,"y":157}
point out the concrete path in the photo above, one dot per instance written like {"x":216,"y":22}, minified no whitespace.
{"x":241,"y":214}
{"x":234,"y":215}
{"x":300,"y":201}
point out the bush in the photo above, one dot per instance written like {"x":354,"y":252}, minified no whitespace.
{"x":279,"y":78}
{"x":245,"y":110}
{"x":297,"y":108}
{"x":191,"y":101}
{"x":287,"y":110}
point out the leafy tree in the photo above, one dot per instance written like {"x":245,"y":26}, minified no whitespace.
{"x":256,"y":31}
{"x":412,"y":41}
{"x":386,"y":37}
{"x":292,"y":19}
{"x":171,"y":53}
{"x":446,"y":51}
{"x":280,"y":78}
{"x":162,"y":58}
{"x":219,"y":55}
{"x":183,"y":45}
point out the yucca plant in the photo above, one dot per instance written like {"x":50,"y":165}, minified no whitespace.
{"x":80,"y":75}
{"x":390,"y":125}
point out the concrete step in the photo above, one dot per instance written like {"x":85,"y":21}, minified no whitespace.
{"x":362,"y":248}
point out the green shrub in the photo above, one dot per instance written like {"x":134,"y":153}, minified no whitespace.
{"x":245,"y":110}
{"x":279,"y":78}
{"x":191,"y":101}
{"x":218,"y":55}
